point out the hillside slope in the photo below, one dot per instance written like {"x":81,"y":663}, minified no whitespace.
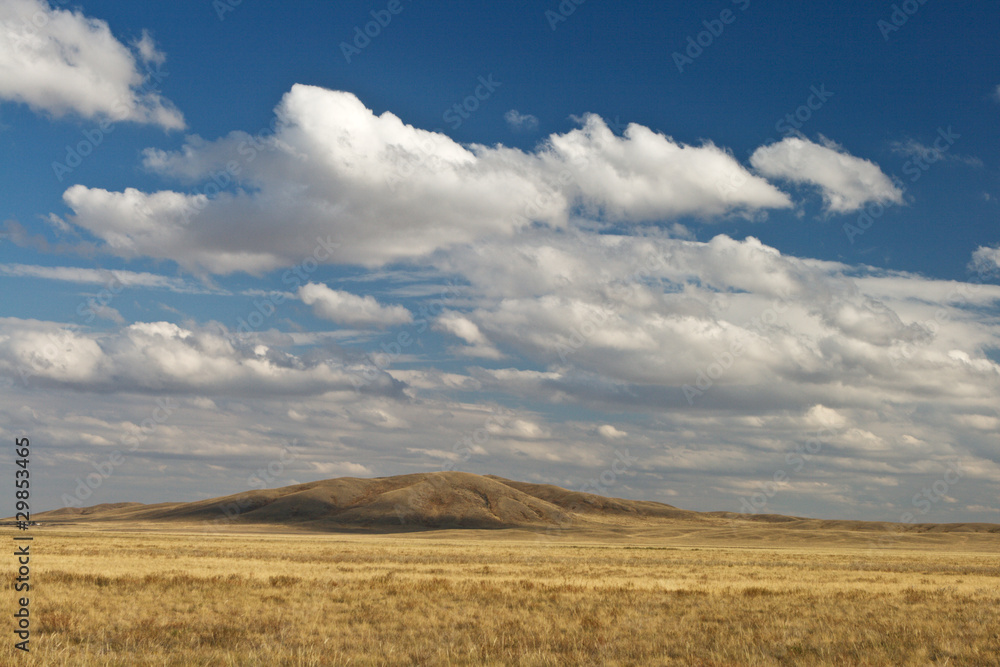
{"x":458,"y":500}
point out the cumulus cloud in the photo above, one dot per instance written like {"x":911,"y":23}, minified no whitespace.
{"x":726,"y":354}
{"x":607,"y":315}
{"x":520,"y":122}
{"x":646,"y":176}
{"x":846,"y":182}
{"x":388,"y":191}
{"x":346,"y":308}
{"x":609,"y":432}
{"x":890,"y":372}
{"x":478,"y":344}
{"x":164,"y":357}
{"x":60,"y":61}
{"x":986,"y":260}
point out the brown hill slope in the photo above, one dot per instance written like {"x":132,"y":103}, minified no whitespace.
{"x":589,"y":504}
{"x":440,"y":500}
{"x":454,"y":500}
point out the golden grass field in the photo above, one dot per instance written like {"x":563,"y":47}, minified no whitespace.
{"x":111,"y":596}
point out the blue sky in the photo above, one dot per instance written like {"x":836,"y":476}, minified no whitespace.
{"x":516,"y":240}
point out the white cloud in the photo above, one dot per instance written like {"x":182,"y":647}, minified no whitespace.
{"x":148,"y":51}
{"x":107,"y":313}
{"x":342,"y":469}
{"x":890,"y":368}
{"x":388,"y":191}
{"x":520,"y":429}
{"x":60,"y":61}
{"x":893,"y":368}
{"x":346,"y":308}
{"x":820,"y":416}
{"x":478,"y":344}
{"x":983,"y":508}
{"x":108,"y":278}
{"x":846,"y":182}
{"x":986,"y":260}
{"x":163,"y":357}
{"x":609,"y":432}
{"x":607,"y":315}
{"x":930,"y":154}
{"x":646,"y":176}
{"x":520,"y":122}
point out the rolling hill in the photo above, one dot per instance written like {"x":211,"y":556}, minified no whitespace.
{"x":447,"y":500}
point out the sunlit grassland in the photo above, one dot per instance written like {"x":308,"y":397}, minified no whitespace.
{"x":158,"y":598}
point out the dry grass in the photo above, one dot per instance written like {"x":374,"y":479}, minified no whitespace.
{"x":114,"y":598}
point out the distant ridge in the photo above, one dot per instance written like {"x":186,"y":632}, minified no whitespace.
{"x":442,"y":500}
{"x":431,"y":500}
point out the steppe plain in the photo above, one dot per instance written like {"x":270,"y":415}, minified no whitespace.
{"x":577,"y":580}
